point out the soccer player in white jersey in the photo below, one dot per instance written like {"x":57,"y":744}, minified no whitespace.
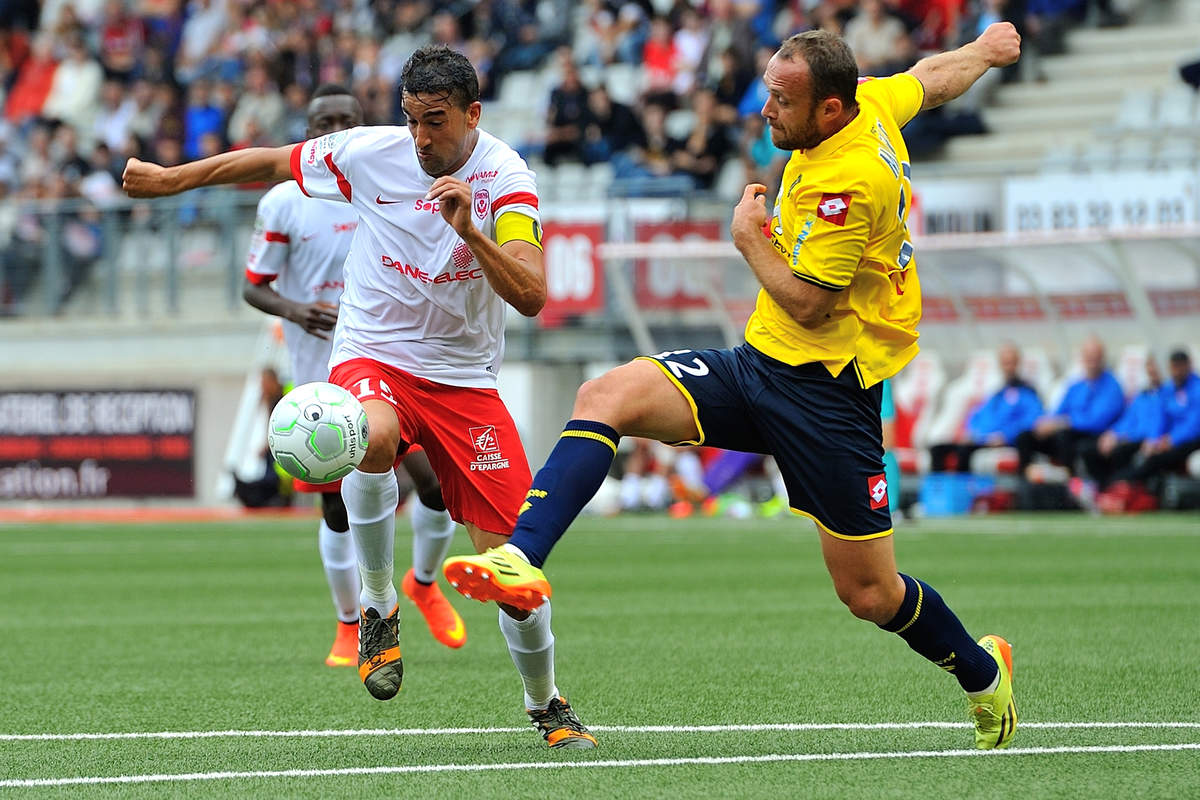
{"x":448,"y":233}
{"x":299,"y":246}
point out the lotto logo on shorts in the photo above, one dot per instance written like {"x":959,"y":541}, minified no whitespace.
{"x":487,"y":449}
{"x":834,"y":208}
{"x":877,"y":488}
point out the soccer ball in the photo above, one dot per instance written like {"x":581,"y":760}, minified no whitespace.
{"x":318,"y":432}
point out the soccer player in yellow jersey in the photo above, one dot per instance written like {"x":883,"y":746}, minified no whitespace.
{"x":837,"y":315}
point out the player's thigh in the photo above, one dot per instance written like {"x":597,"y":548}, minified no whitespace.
{"x":681,"y":397}
{"x":637,"y":399}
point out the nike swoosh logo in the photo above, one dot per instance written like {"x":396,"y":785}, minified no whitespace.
{"x":379,"y":199}
{"x":457,"y":631}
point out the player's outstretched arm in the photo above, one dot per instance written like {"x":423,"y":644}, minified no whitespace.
{"x":947,"y":75}
{"x":252,"y":165}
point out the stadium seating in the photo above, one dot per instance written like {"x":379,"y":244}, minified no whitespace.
{"x":1088,"y":93}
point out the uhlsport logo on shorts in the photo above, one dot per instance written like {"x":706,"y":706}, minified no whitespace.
{"x":877,"y":487}
{"x":487,"y":449}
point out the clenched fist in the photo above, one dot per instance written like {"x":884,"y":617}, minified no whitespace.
{"x":1001,"y":44}
{"x":146,"y":179}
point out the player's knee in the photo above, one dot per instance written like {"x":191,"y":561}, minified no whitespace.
{"x":871,"y":602}
{"x":607,"y":398}
{"x":333,"y":510}
{"x":381,"y":450}
{"x":594,"y":397}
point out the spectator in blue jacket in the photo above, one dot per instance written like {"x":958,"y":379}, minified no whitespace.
{"x":1091,"y":405}
{"x":997,"y":422}
{"x":1144,"y":421}
{"x":1181,"y":436}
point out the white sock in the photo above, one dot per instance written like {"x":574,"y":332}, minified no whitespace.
{"x":993,"y":686}
{"x":531,"y":645}
{"x":371,"y":500}
{"x":516,"y":551}
{"x":341,"y":570}
{"x":433,"y":532}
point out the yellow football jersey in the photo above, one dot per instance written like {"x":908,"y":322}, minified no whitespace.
{"x":840,"y":220}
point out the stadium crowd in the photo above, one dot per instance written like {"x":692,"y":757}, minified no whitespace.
{"x":85,"y":84}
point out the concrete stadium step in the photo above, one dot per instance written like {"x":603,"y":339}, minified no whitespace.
{"x":1098,"y":66}
{"x":1023,"y":145}
{"x":1069,"y":92}
{"x":1116,"y":43}
{"x":1047,"y":120}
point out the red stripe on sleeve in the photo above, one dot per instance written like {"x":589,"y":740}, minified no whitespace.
{"x":276,"y":236}
{"x":258,"y":279}
{"x":296,"y":173}
{"x":343,"y":184}
{"x":525,"y":198}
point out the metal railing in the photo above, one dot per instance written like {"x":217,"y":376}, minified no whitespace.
{"x":123,"y":258}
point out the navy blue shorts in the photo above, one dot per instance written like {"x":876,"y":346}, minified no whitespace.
{"x":824,"y":432}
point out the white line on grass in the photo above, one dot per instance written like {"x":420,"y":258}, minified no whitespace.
{"x":626,"y":763}
{"x":749,"y":728}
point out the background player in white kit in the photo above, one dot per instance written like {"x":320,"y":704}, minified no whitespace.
{"x":300,"y":245}
{"x":448,"y":233}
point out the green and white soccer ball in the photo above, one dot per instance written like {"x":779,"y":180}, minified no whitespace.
{"x":318,"y":432}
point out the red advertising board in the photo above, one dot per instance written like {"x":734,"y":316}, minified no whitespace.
{"x":672,"y":283}
{"x":96,"y":443}
{"x":574,"y":272}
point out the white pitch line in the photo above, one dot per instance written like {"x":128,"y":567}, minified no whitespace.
{"x":739,"y":728}
{"x":647,"y":762}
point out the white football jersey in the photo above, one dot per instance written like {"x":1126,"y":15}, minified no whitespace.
{"x":415,"y":296}
{"x":301,"y":244}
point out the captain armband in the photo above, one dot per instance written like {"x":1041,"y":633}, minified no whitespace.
{"x":514,"y":226}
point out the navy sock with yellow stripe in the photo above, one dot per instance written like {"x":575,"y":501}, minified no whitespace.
{"x":574,"y":471}
{"x":928,"y":625}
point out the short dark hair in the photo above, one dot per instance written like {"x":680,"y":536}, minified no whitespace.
{"x":436,"y":69}
{"x":330,"y":90}
{"x":1179,"y":357}
{"x":830,"y":61}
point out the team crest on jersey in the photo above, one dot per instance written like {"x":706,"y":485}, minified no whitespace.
{"x":487,"y":449}
{"x":834,"y":208}
{"x":482,"y":201}
{"x":877,"y":488}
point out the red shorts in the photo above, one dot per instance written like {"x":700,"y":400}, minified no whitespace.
{"x":336,"y":486}
{"x":468,"y":434}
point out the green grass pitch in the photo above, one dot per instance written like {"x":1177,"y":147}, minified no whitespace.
{"x":207,"y":627}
